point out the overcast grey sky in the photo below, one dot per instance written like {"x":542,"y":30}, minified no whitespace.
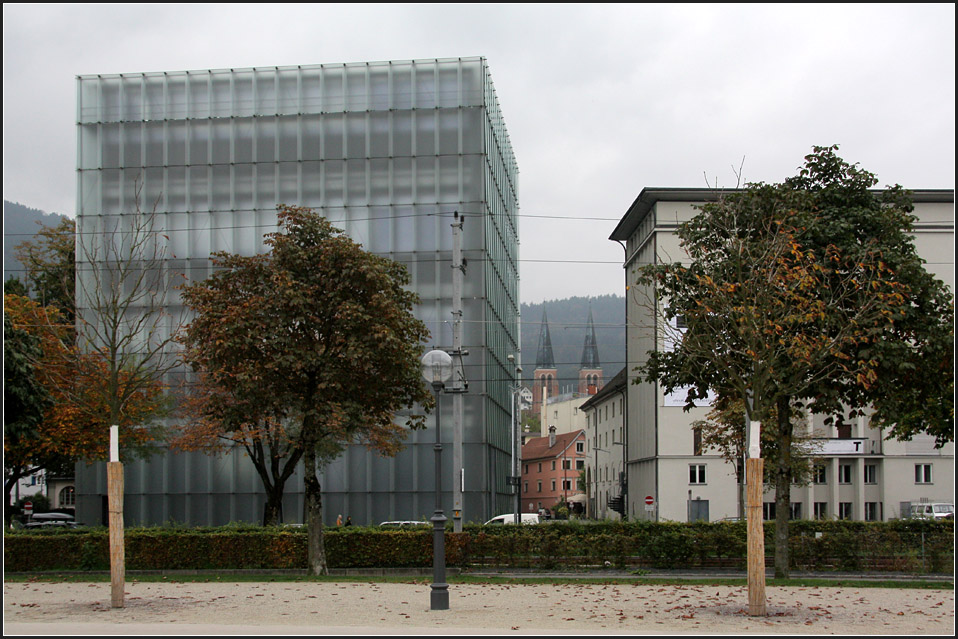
{"x":600,"y":100}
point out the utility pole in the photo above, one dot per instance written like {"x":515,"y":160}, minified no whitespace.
{"x":459,"y":384}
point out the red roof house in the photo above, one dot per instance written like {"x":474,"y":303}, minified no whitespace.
{"x":550,"y":471}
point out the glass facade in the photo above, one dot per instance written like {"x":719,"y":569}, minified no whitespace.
{"x":387,"y":151}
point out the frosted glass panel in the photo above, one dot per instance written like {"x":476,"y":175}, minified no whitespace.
{"x":386,"y":151}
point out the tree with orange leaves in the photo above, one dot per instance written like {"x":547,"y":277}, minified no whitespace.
{"x":810,"y":294}
{"x":314,"y":343}
{"x":69,"y":414}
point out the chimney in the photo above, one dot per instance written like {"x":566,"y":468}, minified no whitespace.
{"x":552,"y":436}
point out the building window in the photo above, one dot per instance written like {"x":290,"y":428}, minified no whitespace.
{"x":553,"y":485}
{"x":821,"y":510}
{"x":820,"y":476}
{"x":696,"y":441}
{"x":844,"y":473}
{"x":871,"y":511}
{"x":845,"y":510}
{"x":768,"y":510}
{"x":525,"y":487}
{"x":68,"y":497}
{"x":871,"y":473}
{"x":845,"y":431}
{"x":553,"y":464}
{"x":579,"y":447}
{"x":527,"y":469}
{"x":566,"y":484}
{"x":922,"y":473}
{"x":539,"y":486}
{"x":795,"y":510}
{"x":540,"y":467}
{"x":579,"y":464}
{"x":696,"y":473}
{"x":566,"y":464}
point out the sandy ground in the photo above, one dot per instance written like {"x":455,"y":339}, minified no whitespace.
{"x":294,"y":608}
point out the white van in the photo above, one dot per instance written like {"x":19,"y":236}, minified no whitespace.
{"x":527,"y":518}
{"x":933,"y":511}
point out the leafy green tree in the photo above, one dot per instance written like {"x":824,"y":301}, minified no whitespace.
{"x":14,"y":286}
{"x":24,"y":402}
{"x":320,"y":335}
{"x":50,"y":262}
{"x":803,"y":294}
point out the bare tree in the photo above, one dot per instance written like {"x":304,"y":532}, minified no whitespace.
{"x":124,"y":287}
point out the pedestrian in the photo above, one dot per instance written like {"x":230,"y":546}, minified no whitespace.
{"x":339,"y":520}
{"x":349,"y":520}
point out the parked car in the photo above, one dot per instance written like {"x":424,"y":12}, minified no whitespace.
{"x":403,"y":523}
{"x":527,"y":518}
{"x":51,"y":520}
{"x":933,"y":511}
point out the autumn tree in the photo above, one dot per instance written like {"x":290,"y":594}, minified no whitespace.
{"x":316,"y":334}
{"x":723,"y":430}
{"x":57,"y":414}
{"x":806,"y":294}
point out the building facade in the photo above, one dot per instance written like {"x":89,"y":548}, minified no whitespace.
{"x":862,"y":475}
{"x":387,"y":151}
{"x":605,"y":447}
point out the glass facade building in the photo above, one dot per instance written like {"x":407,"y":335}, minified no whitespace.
{"x":387,"y":151}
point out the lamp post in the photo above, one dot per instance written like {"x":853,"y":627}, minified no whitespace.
{"x":515,"y":475}
{"x":436,"y":370}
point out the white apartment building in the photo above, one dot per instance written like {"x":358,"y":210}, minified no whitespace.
{"x":863,"y":475}
{"x":605,"y":446}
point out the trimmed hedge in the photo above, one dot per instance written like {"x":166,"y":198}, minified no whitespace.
{"x":916,"y":546}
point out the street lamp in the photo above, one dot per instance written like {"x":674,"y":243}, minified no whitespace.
{"x":436,"y":370}
{"x":515,"y":475}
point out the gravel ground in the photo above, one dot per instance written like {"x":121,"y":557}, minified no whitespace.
{"x":291,"y":608}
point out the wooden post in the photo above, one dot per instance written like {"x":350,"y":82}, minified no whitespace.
{"x":756,"y":537}
{"x":114,"y":484}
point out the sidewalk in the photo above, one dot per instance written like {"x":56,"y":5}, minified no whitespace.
{"x":512,"y":608}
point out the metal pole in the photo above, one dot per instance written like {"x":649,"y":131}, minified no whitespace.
{"x":512,"y":422}
{"x":458,"y":378}
{"x":439,"y":596}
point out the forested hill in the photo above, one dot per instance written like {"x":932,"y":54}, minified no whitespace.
{"x":568,"y":322}
{"x":20,"y":223}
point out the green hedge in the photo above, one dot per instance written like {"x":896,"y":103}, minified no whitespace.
{"x":915,"y":546}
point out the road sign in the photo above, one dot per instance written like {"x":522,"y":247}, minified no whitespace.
{"x":28,"y":507}
{"x":648,"y":500}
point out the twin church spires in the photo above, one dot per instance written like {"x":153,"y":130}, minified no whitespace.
{"x":546,"y":375}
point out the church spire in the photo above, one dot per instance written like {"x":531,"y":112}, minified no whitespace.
{"x":590,"y":350}
{"x":590,"y":371}
{"x":544,"y":356}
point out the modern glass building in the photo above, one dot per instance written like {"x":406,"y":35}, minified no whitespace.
{"x":387,"y":151}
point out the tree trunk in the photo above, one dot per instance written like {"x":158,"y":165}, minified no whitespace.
{"x":783,"y":487}
{"x":316,"y":552}
{"x":273,"y":511}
